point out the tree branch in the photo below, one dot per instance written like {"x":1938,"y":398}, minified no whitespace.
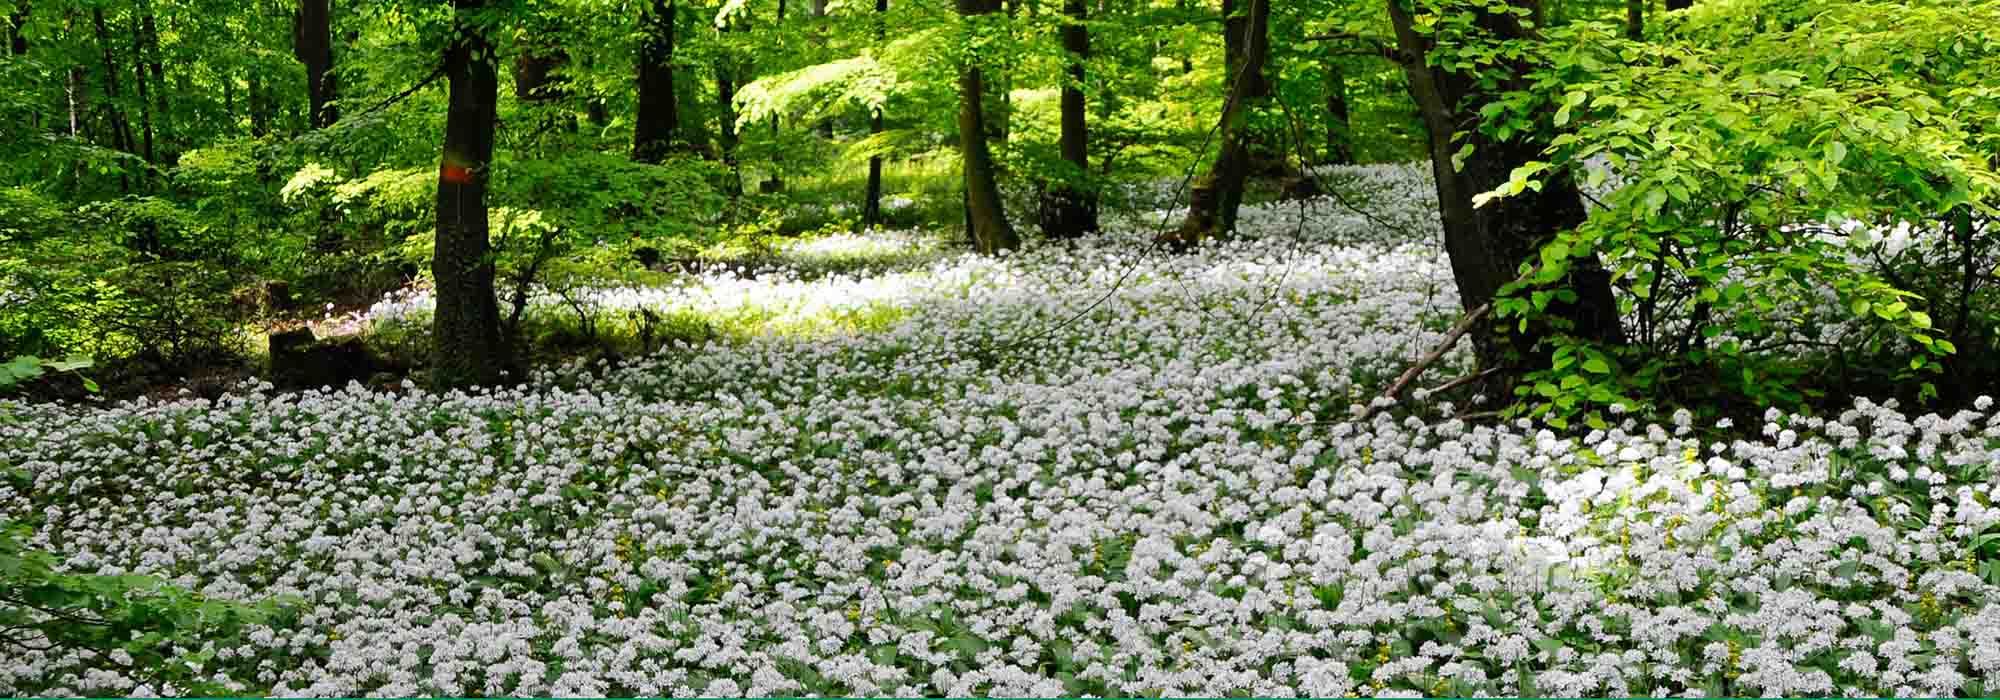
{"x":1403,"y":380}
{"x":1370,"y":46}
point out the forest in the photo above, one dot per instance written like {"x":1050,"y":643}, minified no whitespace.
{"x":750,"y":348}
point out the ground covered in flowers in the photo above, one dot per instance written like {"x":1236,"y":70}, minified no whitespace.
{"x":1077,"y":470}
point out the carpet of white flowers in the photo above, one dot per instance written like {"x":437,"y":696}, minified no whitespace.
{"x":1076,"y":470}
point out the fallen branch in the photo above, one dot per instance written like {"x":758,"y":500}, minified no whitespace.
{"x":1462,"y":381}
{"x":1403,"y":380}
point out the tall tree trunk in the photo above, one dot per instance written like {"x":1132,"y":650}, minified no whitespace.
{"x":871,"y":207}
{"x":121,"y":130}
{"x":726,"y":65}
{"x":986,"y":218}
{"x":539,"y":83}
{"x":819,"y":41}
{"x":260,"y":107}
{"x":1635,"y":19}
{"x":312,"y":43}
{"x":653,"y":131}
{"x":156,"y":65}
{"x":1488,"y":244}
{"x":1213,"y":203}
{"x":1339,"y":128}
{"x":467,"y":349}
{"x":1068,"y":210}
{"x":17,"y":29}
{"x":144,"y":88}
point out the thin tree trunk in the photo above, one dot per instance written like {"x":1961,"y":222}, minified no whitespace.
{"x":1488,"y":244}
{"x":260,"y":108}
{"x":1339,"y":128}
{"x":986,"y":218}
{"x":659,"y":119}
{"x":1068,"y":210}
{"x":156,"y":64}
{"x":312,"y":44}
{"x":539,"y":83}
{"x":1213,"y":203}
{"x":143,"y":86}
{"x":17,"y":27}
{"x":819,"y":41}
{"x":871,"y":207}
{"x":121,"y":131}
{"x":725,"y":104}
{"x":467,"y":349}
{"x":1635,"y":19}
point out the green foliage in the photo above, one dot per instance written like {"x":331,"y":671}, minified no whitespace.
{"x":171,"y":635}
{"x":1742,"y":169}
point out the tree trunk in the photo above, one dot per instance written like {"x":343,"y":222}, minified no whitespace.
{"x":986,"y":218}
{"x":539,"y":84}
{"x":871,"y":207}
{"x":156,"y":65}
{"x":725,"y":106}
{"x":1635,"y":19}
{"x":260,"y":108}
{"x":121,"y":130}
{"x":1488,"y":244}
{"x":1213,"y":203}
{"x":312,"y":44}
{"x":1069,"y":210}
{"x":819,"y":42}
{"x":17,"y":29}
{"x":142,"y":85}
{"x":653,"y":131}
{"x":1339,"y":129}
{"x":467,"y":349}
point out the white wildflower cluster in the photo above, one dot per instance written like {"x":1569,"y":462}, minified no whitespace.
{"x":1161,"y":496}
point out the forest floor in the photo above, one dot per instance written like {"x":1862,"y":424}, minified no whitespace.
{"x":1075,"y":469}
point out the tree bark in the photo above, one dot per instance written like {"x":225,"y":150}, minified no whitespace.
{"x":312,"y":44}
{"x":1488,"y":244}
{"x":654,"y":130}
{"x":467,"y":349}
{"x":1339,"y":128}
{"x":986,"y":217}
{"x":1213,"y":203}
{"x":819,"y":41}
{"x":17,"y":25}
{"x":538,"y":83}
{"x":140,"y":84}
{"x":155,"y":64}
{"x":871,"y":207}
{"x":1635,"y":19}
{"x":121,"y":130}
{"x":725,"y":105}
{"x":1068,"y":210}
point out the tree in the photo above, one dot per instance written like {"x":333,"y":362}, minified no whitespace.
{"x":653,"y":129}
{"x":312,"y":43}
{"x":1068,"y":209}
{"x":1213,"y":203}
{"x":986,"y":218}
{"x":1635,"y":19}
{"x":466,"y":349}
{"x":1488,"y":243}
{"x":1339,"y":127}
{"x":871,"y":207}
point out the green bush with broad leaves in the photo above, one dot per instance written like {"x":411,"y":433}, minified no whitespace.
{"x":1746,"y":171}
